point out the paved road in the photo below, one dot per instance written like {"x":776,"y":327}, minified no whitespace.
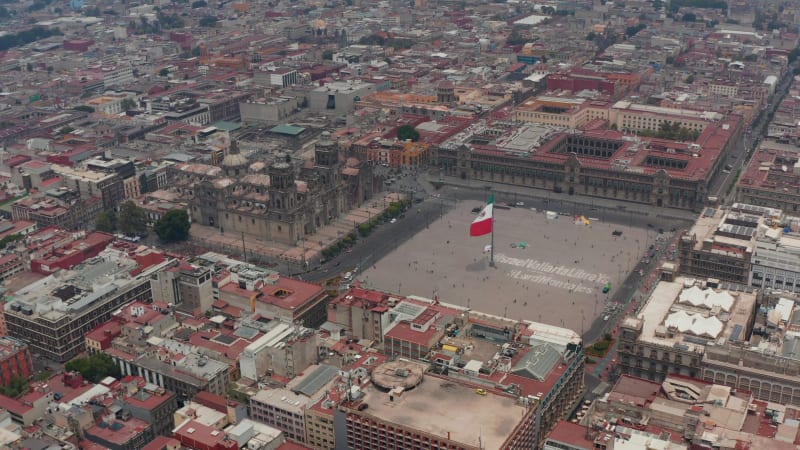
{"x":741,"y":152}
{"x":386,"y":236}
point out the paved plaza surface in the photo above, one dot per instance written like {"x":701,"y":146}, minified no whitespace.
{"x":557,"y":279}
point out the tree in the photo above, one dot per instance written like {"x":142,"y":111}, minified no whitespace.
{"x":131,"y":219}
{"x":15,"y":388}
{"x":199,"y":4}
{"x":174,"y":226}
{"x":84,"y":108}
{"x":128,"y":104}
{"x":631,"y":31}
{"x":208,"y":22}
{"x":106,"y":221}
{"x":95,"y":367}
{"x":66,"y":130}
{"x":405,"y":132}
{"x":163,"y":72}
{"x":794,"y":54}
{"x":92,"y":12}
{"x":327,"y":54}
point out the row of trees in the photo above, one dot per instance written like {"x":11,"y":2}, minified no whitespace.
{"x":12,"y":40}
{"x":672,"y":131}
{"x":337,"y":248}
{"x":131,"y":220}
{"x":394,"y":210}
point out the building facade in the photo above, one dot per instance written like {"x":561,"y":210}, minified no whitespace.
{"x":15,"y":360}
{"x":276,"y":205}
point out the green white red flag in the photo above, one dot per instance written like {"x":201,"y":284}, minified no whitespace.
{"x":482,"y":225}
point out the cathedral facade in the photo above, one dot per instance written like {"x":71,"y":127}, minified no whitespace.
{"x":278,"y":201}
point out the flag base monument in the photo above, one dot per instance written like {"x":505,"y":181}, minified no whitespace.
{"x":483,"y":225}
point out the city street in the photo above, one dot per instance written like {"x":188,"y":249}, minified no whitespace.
{"x":742,"y":150}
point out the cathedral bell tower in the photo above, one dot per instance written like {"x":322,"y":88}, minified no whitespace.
{"x":326,"y":159}
{"x":282,"y":190}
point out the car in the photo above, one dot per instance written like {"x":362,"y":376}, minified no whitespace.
{"x":520,"y":203}
{"x":349,"y":250}
{"x":393,"y":221}
{"x":476,"y":209}
{"x":480,"y":391}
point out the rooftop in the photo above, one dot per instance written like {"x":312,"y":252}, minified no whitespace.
{"x":670,"y":317}
{"x":71,"y":291}
{"x":444,"y":407}
{"x":118,"y":432}
{"x":570,"y":434}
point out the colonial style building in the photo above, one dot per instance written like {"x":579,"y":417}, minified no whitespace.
{"x":276,"y":202}
{"x":597,"y":163}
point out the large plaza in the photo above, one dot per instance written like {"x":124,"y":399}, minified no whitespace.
{"x":547,"y":268}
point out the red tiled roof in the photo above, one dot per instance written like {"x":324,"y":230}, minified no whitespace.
{"x":571,"y":434}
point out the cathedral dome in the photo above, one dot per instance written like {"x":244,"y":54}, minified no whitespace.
{"x":234,"y":160}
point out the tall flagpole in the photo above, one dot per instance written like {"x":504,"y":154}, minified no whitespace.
{"x":491,"y":247}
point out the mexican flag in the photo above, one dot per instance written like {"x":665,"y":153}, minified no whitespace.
{"x":482,"y":224}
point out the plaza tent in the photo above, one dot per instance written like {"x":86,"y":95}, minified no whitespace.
{"x":523,"y":245}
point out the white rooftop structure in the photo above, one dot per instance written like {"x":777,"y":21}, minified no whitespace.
{"x":681,"y":314}
{"x":784,"y":309}
{"x":696,"y":324}
{"x":706,"y":298}
{"x":83,"y":399}
{"x":686,"y":113}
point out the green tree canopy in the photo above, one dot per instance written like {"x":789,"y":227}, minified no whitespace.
{"x":128,"y":104}
{"x":84,"y":108}
{"x":174,"y":226}
{"x":405,"y":132}
{"x":208,"y":22}
{"x":131,"y":219}
{"x":15,"y":388}
{"x":106,"y":221}
{"x":95,"y":367}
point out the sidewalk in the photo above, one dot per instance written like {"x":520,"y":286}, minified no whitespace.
{"x":262,"y":250}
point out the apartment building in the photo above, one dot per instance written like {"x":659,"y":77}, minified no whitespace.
{"x":282,"y":409}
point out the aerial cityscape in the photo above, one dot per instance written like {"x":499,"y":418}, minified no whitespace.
{"x":400,"y":225}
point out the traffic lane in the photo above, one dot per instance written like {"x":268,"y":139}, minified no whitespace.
{"x":384,"y":238}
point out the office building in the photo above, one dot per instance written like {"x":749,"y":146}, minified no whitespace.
{"x":720,"y":244}
{"x":54,"y":314}
{"x":679,"y":321}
